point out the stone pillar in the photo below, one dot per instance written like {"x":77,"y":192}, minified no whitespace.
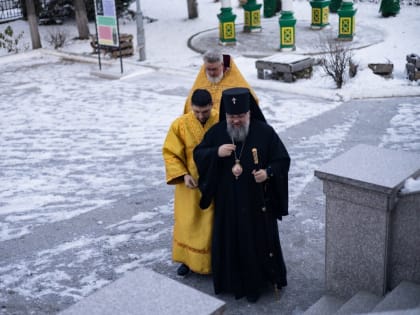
{"x":287,"y":24}
{"x":404,"y":262}
{"x":361,"y":188}
{"x":346,"y":21}
{"x":320,"y":12}
{"x":252,"y":16}
{"x":227,"y":32}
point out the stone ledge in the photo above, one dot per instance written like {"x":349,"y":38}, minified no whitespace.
{"x":146,"y":292}
{"x":371,"y":168}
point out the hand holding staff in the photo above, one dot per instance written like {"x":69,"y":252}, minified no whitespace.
{"x":260,"y":175}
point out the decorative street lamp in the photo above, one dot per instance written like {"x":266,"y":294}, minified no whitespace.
{"x":227,"y":33}
{"x":252,"y":16}
{"x":287,"y":24}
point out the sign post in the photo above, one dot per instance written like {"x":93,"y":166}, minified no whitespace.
{"x":107,"y":28}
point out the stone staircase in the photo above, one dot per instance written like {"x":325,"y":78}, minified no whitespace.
{"x":372,"y":233}
{"x":402,"y":300}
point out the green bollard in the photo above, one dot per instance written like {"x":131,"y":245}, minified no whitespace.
{"x":320,"y":12}
{"x":287,"y":24}
{"x":346,"y":21}
{"x":227,"y":33}
{"x":269,"y":8}
{"x":252,"y":16}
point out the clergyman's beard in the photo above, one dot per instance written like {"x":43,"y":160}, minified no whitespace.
{"x":238,"y":134}
{"x":215,"y":80}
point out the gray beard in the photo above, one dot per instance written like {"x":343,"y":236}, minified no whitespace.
{"x":215,"y":80}
{"x":238,"y":134}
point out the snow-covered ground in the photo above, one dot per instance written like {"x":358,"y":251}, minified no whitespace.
{"x":72,"y":142}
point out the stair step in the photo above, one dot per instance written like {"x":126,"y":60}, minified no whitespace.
{"x":362,"y":302}
{"x":326,"y":305}
{"x":144,"y":291}
{"x":405,"y":296}
{"x":412,"y":311}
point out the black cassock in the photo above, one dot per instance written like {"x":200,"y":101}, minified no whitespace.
{"x":246,"y":252}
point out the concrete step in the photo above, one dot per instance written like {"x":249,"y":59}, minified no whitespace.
{"x":326,"y":305}
{"x":144,"y":291}
{"x":361,"y":302}
{"x":405,"y":296}
{"x":412,"y":311}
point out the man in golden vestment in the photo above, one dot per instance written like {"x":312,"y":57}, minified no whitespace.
{"x":218,"y":73}
{"x":191,"y":244}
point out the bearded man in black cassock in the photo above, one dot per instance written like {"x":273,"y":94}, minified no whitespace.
{"x":243,"y":166}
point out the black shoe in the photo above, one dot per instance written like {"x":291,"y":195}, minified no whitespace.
{"x":183,"y":270}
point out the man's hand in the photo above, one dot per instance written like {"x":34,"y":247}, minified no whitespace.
{"x":226,"y":149}
{"x":190,"y":181}
{"x":260,"y":175}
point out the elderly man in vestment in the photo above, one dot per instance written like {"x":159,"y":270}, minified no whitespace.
{"x":192,"y":227}
{"x":218,"y":73}
{"x":243,"y":167}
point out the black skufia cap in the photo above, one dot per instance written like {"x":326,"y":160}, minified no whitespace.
{"x":201,"y":98}
{"x":238,"y":101}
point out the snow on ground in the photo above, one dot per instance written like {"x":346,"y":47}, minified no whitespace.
{"x":71,"y":142}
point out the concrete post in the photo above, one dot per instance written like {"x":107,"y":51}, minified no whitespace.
{"x":141,"y":40}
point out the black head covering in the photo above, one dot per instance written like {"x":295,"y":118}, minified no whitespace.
{"x":201,"y":98}
{"x":237,"y":101}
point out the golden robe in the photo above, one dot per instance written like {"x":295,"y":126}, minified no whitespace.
{"x":191,"y":242}
{"x":232,"y":78}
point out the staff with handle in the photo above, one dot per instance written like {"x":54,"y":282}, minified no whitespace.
{"x":260,"y":180}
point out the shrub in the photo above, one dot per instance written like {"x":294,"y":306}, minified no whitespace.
{"x":335,"y":60}
{"x":57,"y":38}
{"x":10,"y":42}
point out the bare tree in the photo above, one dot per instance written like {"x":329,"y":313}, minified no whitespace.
{"x":192,"y":9}
{"x":81,"y":19}
{"x":33,"y":24}
{"x":336,"y":58}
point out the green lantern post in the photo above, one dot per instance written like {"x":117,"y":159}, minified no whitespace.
{"x":252,"y":16}
{"x":346,"y":21}
{"x":287,"y":24}
{"x":320,"y":12}
{"x":227,"y":33}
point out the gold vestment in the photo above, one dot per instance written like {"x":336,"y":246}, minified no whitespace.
{"x":232,"y":78}
{"x":191,"y":242}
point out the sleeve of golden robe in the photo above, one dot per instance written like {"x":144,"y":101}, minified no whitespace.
{"x":232,"y":78}
{"x":174,"y":154}
{"x":192,"y":226}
